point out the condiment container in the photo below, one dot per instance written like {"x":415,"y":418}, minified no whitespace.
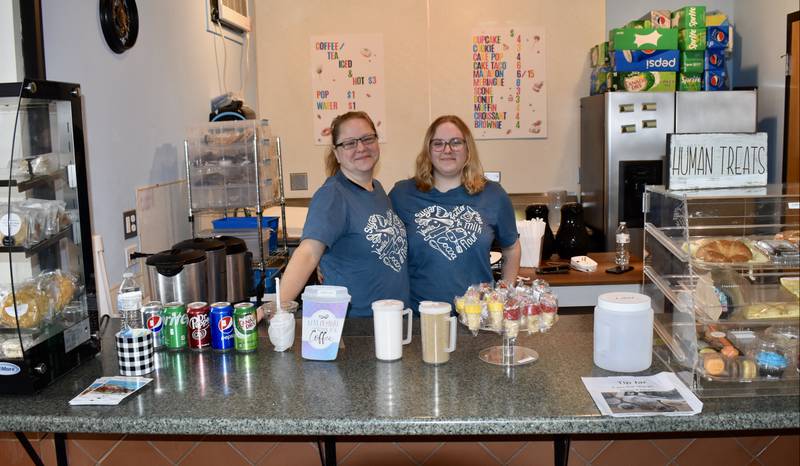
{"x":324,"y":311}
{"x":623,"y":332}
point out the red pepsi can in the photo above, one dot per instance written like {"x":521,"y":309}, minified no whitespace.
{"x":198,"y":327}
{"x":153,"y":319}
{"x":222,"y":326}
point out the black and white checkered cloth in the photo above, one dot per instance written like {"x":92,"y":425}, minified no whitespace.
{"x":136,"y":353}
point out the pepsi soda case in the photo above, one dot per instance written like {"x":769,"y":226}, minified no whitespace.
{"x":222,"y":326}
{"x":153,"y":319}
{"x":717,"y":37}
{"x":715,"y":80}
{"x":645,"y":60}
{"x":714,"y":59}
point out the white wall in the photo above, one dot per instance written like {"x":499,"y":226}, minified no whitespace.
{"x":137,"y":105}
{"x":759,"y":61}
{"x":10,"y":44}
{"x":527,"y":165}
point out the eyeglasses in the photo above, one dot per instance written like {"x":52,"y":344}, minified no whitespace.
{"x":438,"y":145}
{"x":351,"y":144}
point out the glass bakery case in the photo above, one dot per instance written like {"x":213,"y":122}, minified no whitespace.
{"x":48,"y":316}
{"x":721,"y":268}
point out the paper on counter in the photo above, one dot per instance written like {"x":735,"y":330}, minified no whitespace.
{"x":662,"y":394}
{"x":530,"y":240}
{"x":109,"y":390}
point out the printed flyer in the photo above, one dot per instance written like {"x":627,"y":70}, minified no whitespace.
{"x":347,"y":75}
{"x":509,"y":85}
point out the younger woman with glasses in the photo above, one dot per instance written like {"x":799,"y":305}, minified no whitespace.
{"x":351,"y":231}
{"x":453,"y":214}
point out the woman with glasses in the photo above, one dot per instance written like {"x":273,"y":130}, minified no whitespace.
{"x":453,"y":214}
{"x":351,"y":231}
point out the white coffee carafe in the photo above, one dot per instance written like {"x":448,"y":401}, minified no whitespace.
{"x":388,"y":319}
{"x":623,"y":332}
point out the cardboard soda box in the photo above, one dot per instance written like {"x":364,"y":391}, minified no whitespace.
{"x":716,"y":18}
{"x":657,"y":18}
{"x":599,"y":55}
{"x":692,"y":62}
{"x":714,"y":60}
{"x":690,"y":81}
{"x":717,"y":37}
{"x":715,"y":80}
{"x":644,"y":81}
{"x":598,"y":82}
{"x":643,"y":39}
{"x":644,"y":60}
{"x":689,"y":17}
{"x":692,"y":39}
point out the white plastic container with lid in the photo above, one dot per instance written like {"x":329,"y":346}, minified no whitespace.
{"x":324,"y":311}
{"x":623,"y":332}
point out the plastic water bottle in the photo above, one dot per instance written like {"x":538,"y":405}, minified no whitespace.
{"x":129,"y":302}
{"x":623,"y":240}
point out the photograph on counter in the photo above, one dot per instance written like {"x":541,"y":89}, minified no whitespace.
{"x":646,"y":402}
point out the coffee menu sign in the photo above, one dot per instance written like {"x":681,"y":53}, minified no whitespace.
{"x":716,"y":160}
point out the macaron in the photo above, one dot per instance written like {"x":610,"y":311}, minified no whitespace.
{"x":714,"y":364}
{"x":747,"y":369}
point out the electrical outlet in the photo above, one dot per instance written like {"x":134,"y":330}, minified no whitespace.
{"x":129,"y":224}
{"x":128,"y":251}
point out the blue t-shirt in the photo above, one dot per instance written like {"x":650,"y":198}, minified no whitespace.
{"x":450,"y":235}
{"x":366,"y":242}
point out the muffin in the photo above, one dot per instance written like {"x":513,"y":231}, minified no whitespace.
{"x":770,"y":360}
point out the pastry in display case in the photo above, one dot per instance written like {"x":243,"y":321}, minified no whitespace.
{"x":48,"y":312}
{"x":721,"y":269}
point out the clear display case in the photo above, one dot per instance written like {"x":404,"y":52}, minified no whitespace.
{"x":48,"y":313}
{"x":233,"y":168}
{"x":721,"y":268}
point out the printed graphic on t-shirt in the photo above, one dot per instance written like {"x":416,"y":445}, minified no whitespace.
{"x":450,"y":232}
{"x":387,"y":236}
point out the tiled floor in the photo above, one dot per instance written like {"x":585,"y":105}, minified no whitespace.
{"x":134,"y":450}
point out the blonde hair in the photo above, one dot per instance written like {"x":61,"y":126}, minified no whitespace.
{"x":471,"y":175}
{"x":331,"y":164}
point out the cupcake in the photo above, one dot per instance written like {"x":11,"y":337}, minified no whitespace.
{"x":770,"y":360}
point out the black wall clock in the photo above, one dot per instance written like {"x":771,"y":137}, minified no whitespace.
{"x":119,"y":20}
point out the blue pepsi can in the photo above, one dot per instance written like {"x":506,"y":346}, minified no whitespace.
{"x":221,"y":326}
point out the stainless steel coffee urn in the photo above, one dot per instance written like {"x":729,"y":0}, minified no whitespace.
{"x":216,"y":269}
{"x":239,"y":262}
{"x":177,"y":275}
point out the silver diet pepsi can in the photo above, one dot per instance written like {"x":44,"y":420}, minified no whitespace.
{"x":153,"y":319}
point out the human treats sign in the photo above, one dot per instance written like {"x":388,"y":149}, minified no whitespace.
{"x":716,"y":160}
{"x":509,"y":90}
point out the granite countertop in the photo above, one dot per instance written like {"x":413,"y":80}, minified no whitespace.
{"x":270,"y":393}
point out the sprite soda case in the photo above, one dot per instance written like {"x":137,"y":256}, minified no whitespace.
{"x":175,"y":326}
{"x":643,"y":39}
{"x":644,"y":81}
{"x":692,"y":39}
{"x":690,"y":81}
{"x":692,"y":61}
{"x":689,"y":17}
{"x":245,"y":331}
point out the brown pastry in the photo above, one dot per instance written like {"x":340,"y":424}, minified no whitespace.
{"x":724,"y":250}
{"x":31,"y":307}
{"x":789,"y":235}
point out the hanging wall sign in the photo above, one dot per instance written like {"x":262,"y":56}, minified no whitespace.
{"x":346,"y":75}
{"x":509,"y":90}
{"x":716,"y":160}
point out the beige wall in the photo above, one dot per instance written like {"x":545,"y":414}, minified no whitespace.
{"x":427,"y":68}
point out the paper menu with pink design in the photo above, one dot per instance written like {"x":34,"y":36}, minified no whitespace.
{"x":509,"y":85}
{"x":346,"y":75}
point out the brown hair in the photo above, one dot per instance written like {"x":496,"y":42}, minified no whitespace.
{"x":331,"y":164}
{"x":471,"y":175}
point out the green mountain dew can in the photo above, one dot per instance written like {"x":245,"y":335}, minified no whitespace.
{"x":245,"y":332}
{"x":175,"y":326}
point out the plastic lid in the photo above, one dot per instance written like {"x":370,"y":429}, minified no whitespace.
{"x":386,"y":305}
{"x":204,"y":244}
{"x":326,"y":294}
{"x":434,"y":307}
{"x":623,"y":301}
{"x":233,"y":245}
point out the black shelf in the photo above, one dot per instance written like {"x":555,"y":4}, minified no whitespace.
{"x":41,"y":245}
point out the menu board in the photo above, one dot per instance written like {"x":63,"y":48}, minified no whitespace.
{"x":509,"y":91}
{"x":347,"y":75}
